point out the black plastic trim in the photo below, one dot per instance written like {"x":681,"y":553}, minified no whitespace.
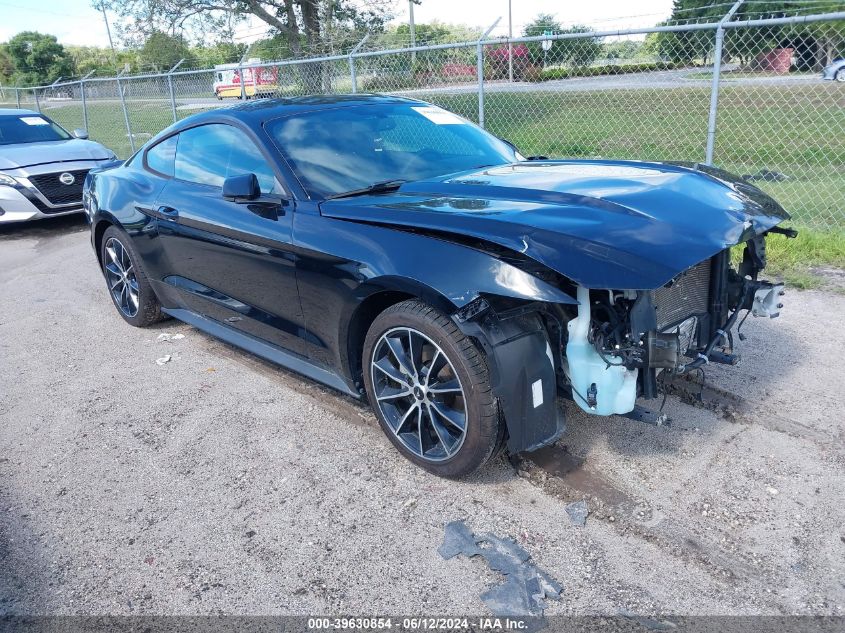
{"x":517,"y":357}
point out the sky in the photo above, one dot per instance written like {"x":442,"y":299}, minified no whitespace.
{"x":77,"y":22}
{"x":600,"y":14}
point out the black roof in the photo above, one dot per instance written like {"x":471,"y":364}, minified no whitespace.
{"x":260,"y":110}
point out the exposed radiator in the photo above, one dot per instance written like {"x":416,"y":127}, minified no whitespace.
{"x":686,"y":296}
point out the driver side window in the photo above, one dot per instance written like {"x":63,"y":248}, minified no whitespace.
{"x":209,"y":154}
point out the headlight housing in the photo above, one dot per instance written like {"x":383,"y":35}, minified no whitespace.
{"x":8,"y":181}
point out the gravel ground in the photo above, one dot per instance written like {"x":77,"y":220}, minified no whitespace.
{"x":217,"y":483}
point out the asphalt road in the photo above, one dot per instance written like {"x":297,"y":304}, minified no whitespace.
{"x":216,"y":483}
{"x":657,"y":80}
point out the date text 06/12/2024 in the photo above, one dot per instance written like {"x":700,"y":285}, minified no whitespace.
{"x":420,"y":624}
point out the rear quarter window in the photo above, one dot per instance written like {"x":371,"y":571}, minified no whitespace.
{"x":208,"y":154}
{"x":161,"y":158}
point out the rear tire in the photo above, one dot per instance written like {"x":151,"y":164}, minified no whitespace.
{"x":127,"y":281}
{"x":429,"y":387}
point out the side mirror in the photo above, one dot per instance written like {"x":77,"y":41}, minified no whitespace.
{"x":243,"y":188}
{"x":80,"y":133}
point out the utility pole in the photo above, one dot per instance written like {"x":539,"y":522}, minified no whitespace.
{"x":510,"y":45}
{"x":413,"y":30}
{"x":108,"y":32}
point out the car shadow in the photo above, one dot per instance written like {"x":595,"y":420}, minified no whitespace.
{"x":740,"y":395}
{"x":44,"y":229}
{"x":585,"y":432}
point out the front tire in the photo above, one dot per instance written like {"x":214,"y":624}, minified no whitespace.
{"x":429,"y":387}
{"x":127,"y":281}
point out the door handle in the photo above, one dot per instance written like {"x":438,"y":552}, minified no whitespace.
{"x":168,"y":212}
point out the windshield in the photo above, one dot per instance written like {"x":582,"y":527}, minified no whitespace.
{"x":349,"y":148}
{"x":29,"y":128}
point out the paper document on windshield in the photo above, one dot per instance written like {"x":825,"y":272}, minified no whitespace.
{"x":34,"y":120}
{"x":439,"y":115}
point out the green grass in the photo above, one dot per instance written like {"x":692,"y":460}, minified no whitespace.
{"x":796,"y":260}
{"x":798,"y":131}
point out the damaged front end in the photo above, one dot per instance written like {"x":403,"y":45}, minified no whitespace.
{"x":609,"y":349}
{"x":621,"y":340}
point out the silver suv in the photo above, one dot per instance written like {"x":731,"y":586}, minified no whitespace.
{"x":42,"y":166}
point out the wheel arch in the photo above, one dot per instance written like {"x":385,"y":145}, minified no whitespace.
{"x":377,"y":297}
{"x":100,"y":230}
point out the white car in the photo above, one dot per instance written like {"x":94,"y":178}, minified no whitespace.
{"x":42,"y":166}
{"x":835,"y":71}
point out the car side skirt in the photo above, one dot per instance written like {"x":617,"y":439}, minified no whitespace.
{"x":263,"y":349}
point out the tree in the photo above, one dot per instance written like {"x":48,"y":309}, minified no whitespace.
{"x":542,"y":24}
{"x":399,"y":36}
{"x":162,"y":51}
{"x":220,"y":53}
{"x":581,"y":51}
{"x":623,"y":49}
{"x":88,"y":58}
{"x":7,"y":66}
{"x":307,"y":25}
{"x":815,"y":43}
{"x":830,"y":36}
{"x":38,"y":59}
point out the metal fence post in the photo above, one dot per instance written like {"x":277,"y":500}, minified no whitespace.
{"x":84,"y":100}
{"x":352,"y":74}
{"x":125,"y":113}
{"x":510,"y":45}
{"x":172,"y":97}
{"x":479,"y":69}
{"x":84,"y":104}
{"x":352,"y":63}
{"x":37,"y":102}
{"x":170,"y":88}
{"x":714,"y":90}
{"x":243,"y":81}
{"x":18,"y":97}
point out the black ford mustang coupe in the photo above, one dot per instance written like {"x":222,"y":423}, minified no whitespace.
{"x":395,"y":251}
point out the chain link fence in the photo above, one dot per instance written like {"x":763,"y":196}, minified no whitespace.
{"x":747,"y":96}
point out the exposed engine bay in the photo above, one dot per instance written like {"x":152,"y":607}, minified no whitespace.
{"x":609,"y":349}
{"x":621,"y":340}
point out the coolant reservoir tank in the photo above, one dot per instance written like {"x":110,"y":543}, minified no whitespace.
{"x":597,"y":388}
